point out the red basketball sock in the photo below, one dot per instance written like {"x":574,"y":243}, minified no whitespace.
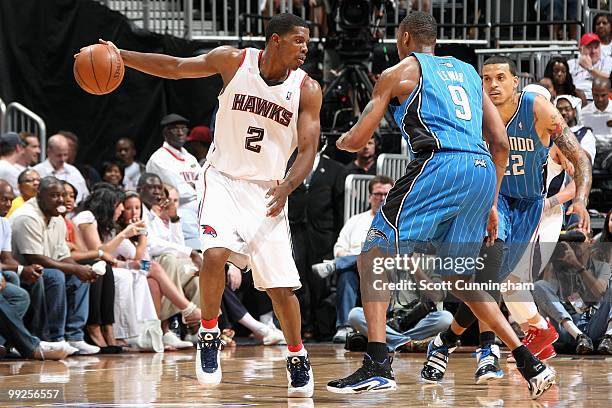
{"x":209,"y":324}
{"x":294,"y":349}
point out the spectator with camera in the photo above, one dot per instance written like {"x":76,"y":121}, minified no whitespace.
{"x":576,"y":296}
{"x":413,"y":317}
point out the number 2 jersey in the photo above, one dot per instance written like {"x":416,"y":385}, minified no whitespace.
{"x":444,"y":112}
{"x":525,"y":176}
{"x":256,"y":124}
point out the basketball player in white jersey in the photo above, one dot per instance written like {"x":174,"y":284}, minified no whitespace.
{"x":268,"y":107}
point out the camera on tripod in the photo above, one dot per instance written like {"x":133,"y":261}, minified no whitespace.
{"x":352,"y":39}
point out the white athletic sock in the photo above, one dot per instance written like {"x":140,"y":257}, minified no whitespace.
{"x":257,"y":327}
{"x":540,"y":323}
{"x":572,"y":329}
{"x":213,"y":330}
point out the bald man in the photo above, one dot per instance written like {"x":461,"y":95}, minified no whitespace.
{"x":57,"y":165}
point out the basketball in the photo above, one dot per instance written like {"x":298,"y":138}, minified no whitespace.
{"x":98,"y":69}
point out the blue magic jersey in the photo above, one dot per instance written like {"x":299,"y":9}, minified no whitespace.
{"x":444,"y":111}
{"x":525,"y":175}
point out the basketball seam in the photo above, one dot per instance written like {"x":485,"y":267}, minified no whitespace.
{"x":93,"y":69}
{"x":80,"y":81}
{"x":110,"y":72}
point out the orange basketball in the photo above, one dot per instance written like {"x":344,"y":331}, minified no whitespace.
{"x":98,"y":69}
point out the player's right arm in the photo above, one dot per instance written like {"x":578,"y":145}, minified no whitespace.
{"x":223,"y":60}
{"x":494,"y":133}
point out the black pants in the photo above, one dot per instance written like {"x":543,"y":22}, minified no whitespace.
{"x":102,"y":299}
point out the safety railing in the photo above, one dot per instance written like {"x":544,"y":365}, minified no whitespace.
{"x":356,"y":194}
{"x":536,"y":58}
{"x":21,"y":119}
{"x":2,"y":115}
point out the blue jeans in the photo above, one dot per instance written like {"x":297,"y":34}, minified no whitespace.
{"x":430,"y":325}
{"x":14,"y":302}
{"x":546,"y":297}
{"x":59,"y":306}
{"x":347,"y":288}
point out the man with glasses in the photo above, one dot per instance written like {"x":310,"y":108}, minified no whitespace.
{"x":351,"y":238}
{"x":27,"y":182}
{"x":178,"y":168}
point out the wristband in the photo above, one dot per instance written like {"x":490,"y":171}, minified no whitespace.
{"x":19,"y":269}
{"x":100,"y":253}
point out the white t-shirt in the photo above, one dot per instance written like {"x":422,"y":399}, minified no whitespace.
{"x":606,"y":50}
{"x":84,"y":217}
{"x":10,"y":173}
{"x":583,"y":79}
{"x":5,"y":235}
{"x":587,"y":143}
{"x":131,"y":176}
{"x":599,"y":121}
{"x":353,"y":234}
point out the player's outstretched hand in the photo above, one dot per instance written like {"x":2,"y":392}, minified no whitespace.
{"x":580,"y":210}
{"x":492,"y":225}
{"x":279,"y":196}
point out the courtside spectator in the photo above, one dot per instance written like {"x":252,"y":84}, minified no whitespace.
{"x":569,"y":107}
{"x":177,"y":167}
{"x":348,"y":246}
{"x":60,"y":299}
{"x":112,"y":172}
{"x":11,"y":148}
{"x":365,"y":160}
{"x":597,"y":115}
{"x":602,"y":26}
{"x":30,"y":156}
{"x":89,"y":173}
{"x":57,"y":165}
{"x":558,"y":71}
{"x":125,"y":152}
{"x":198,"y":142}
{"x":590,"y":64}
{"x":27,"y":182}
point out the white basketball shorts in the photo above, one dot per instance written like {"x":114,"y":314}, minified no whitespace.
{"x":232,"y":215}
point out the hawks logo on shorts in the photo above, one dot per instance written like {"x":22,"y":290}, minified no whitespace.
{"x":208,"y":230}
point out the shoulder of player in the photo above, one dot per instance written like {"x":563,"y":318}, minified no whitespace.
{"x":227,"y":51}
{"x":310,"y":92}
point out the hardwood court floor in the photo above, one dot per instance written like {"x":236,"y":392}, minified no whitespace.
{"x":255,"y":376}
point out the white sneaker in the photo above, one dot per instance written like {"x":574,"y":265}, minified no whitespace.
{"x":273,"y":336}
{"x":340,"y":336}
{"x":207,"y":362}
{"x":171,"y":340}
{"x":69,"y":349}
{"x":299,"y":377}
{"x":84,"y":348}
{"x":52,"y":351}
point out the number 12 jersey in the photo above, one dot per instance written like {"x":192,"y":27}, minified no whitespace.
{"x":256,"y":123}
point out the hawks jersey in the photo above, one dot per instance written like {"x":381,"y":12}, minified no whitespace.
{"x":525,"y":175}
{"x":256,"y":124}
{"x":444,"y":111}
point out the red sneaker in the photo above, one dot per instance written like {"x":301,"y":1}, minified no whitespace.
{"x":547,"y":353}
{"x":537,"y":340}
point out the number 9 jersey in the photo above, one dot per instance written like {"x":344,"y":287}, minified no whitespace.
{"x":256,"y":123}
{"x":438,"y":114}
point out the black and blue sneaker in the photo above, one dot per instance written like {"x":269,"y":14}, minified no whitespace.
{"x":488,"y":367}
{"x":539,"y":377}
{"x":437,"y":359}
{"x":370,"y":377}
{"x":299,"y":377}
{"x":208,"y":365}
